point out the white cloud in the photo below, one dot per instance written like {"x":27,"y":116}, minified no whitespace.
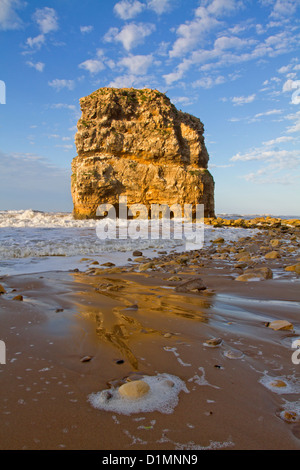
{"x":275,"y":164}
{"x":86,"y":29}
{"x":92,"y":65}
{"x":39,"y":66}
{"x":159,"y":6}
{"x":190,"y":32}
{"x":268,"y":113}
{"x":240,"y":100}
{"x":184,"y":100}
{"x":9,"y":19}
{"x":36,"y":42}
{"x":290,"y":85}
{"x":72,"y":107}
{"x":279,"y":140}
{"x":284,"y":8}
{"x":206,"y":19}
{"x":209,"y":82}
{"x":137,"y":64}
{"x":128,"y":9}
{"x":131,"y":35}
{"x":46,"y":19}
{"x":130,"y":80}
{"x":58,"y":84}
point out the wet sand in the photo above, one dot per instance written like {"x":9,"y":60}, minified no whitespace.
{"x":77,"y":333}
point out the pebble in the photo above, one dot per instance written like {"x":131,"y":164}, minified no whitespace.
{"x":107,"y":264}
{"x":2,"y":290}
{"x":134,"y":390}
{"x":272,"y":255}
{"x":195,"y":283}
{"x":18,"y":297}
{"x":213,"y":342}
{"x":294,"y":267}
{"x":86,"y":359}
{"x":137,"y":253}
{"x":289,"y":416}
{"x":278,"y":383}
{"x":218,"y":240}
{"x":249,"y":277}
{"x":263,"y":272}
{"x":146,"y":266}
{"x":175,"y":278}
{"x":233,"y":354}
{"x":280,"y":325}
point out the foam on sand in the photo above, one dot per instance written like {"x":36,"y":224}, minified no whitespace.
{"x":162,"y":397}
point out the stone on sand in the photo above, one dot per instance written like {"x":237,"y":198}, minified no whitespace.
{"x":280,"y":325}
{"x":134,"y":390}
{"x":195,"y":283}
{"x":294,"y":267}
{"x":2,"y":290}
{"x":272,"y":255}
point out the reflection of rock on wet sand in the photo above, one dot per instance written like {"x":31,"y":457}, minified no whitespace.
{"x":124,"y":312}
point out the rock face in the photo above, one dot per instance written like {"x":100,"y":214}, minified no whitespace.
{"x":135,"y":143}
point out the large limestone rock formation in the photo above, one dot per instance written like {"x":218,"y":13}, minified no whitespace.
{"x":135,"y":143}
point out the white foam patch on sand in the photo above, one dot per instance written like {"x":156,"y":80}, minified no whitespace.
{"x":162,"y":397}
{"x":273,"y":384}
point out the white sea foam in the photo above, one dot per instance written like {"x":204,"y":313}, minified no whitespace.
{"x":162,"y":397}
{"x":35,"y":241}
{"x":280,"y":385}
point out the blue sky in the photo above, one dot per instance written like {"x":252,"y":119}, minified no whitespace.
{"x":233,"y":63}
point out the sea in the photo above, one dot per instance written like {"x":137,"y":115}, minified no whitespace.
{"x":33,"y":241}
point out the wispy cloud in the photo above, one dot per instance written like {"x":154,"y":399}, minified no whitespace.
{"x":86,"y":29}
{"x":131,"y":35}
{"x":59,"y":84}
{"x":47,"y":21}
{"x":128,"y":9}
{"x":93,"y":66}
{"x":137,"y":64}
{"x":9,"y":18}
{"x":240,"y":100}
{"x":39,"y":66}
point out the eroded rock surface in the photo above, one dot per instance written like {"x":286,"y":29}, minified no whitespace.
{"x":135,"y":143}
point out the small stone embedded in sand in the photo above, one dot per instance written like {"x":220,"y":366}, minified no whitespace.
{"x":278,"y":383}
{"x":263,"y":271}
{"x":233,"y":354}
{"x":289,"y":416}
{"x":249,"y":277}
{"x":218,"y":240}
{"x":167,"y":335}
{"x":137,"y":253}
{"x":2,"y":290}
{"x":134,"y":390}
{"x":174,"y":278}
{"x":86,"y":358}
{"x":272,"y":255}
{"x":146,"y":266}
{"x":213,"y":342}
{"x":243,"y":255}
{"x":280,"y":325}
{"x":109,"y":264}
{"x":18,"y":297}
{"x":193,"y":284}
{"x":275,"y":243}
{"x":293,"y":267}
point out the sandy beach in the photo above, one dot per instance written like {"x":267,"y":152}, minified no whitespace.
{"x":74,"y":334}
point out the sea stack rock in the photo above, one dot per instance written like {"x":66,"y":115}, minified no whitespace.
{"x":135,"y":143}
